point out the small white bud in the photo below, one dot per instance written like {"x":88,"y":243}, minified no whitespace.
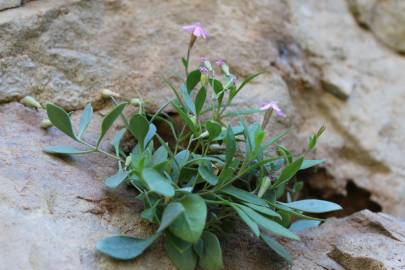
{"x":31,"y":102}
{"x":46,"y":124}
{"x":107,"y":93}
{"x":136,"y":101}
{"x":264,"y":186}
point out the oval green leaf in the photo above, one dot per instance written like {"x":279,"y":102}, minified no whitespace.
{"x":65,"y":150}
{"x":124,"y":247}
{"x":109,"y":119}
{"x":60,"y":119}
{"x":117,"y":179}
{"x":158,"y":183}
{"x":211,"y":256}
{"x":85,"y":119}
{"x":190,"y":225}
{"x":171,"y":212}
{"x":314,"y":206}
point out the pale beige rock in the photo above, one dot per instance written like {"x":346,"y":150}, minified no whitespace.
{"x":5,"y":4}
{"x":386,"y":19}
{"x":364,"y":240}
{"x":365,"y":136}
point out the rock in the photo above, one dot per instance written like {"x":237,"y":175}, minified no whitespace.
{"x":363,"y":144}
{"x":5,"y":4}
{"x":65,"y":51}
{"x":386,"y":19}
{"x":337,"y":82}
{"x":364,"y":240}
{"x":53,"y":211}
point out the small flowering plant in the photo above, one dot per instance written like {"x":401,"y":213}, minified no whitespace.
{"x":213,"y":172}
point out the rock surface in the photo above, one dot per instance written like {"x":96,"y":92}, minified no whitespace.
{"x":384,"y":18}
{"x":5,"y":4}
{"x":52,"y":212}
{"x":321,"y":63}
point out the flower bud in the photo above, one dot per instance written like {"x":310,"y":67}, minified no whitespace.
{"x":31,"y":102}
{"x":128,"y":161}
{"x":46,"y":124}
{"x":107,"y":93}
{"x":136,"y":101}
{"x":204,"y":79}
{"x":264,"y":185}
{"x":193,"y":119}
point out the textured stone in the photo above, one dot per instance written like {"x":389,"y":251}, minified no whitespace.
{"x":386,"y":19}
{"x":5,"y":4}
{"x":365,"y":133}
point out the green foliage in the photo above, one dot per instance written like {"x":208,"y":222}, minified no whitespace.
{"x":213,"y":171}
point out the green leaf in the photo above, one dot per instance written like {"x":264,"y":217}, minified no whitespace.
{"x":184,"y":116}
{"x":213,"y":128}
{"x":276,"y":138}
{"x":65,"y":150}
{"x":179,"y":244}
{"x":85,"y":119}
{"x":185,"y":260}
{"x":264,"y":210}
{"x":150,"y":213}
{"x":211,"y":257}
{"x":314,"y":206}
{"x":124,"y":247}
{"x":230,"y":146}
{"x":246,"y":81}
{"x":243,"y":195}
{"x":217,"y":87}
{"x":117,"y":179}
{"x":237,"y":130}
{"x":184,"y":61}
{"x":279,"y":249}
{"x":207,"y":173}
{"x":171,"y":212}
{"x":160,"y":155}
{"x":190,"y":225}
{"x":151,"y":132}
{"x":109,"y":119}
{"x":242,"y":112}
{"x":294,"y":212}
{"x":182,"y":157}
{"x":303,"y":224}
{"x":288,"y":172}
{"x":116,"y":140}
{"x":268,"y":224}
{"x":139,"y":127}
{"x":158,"y":183}
{"x":200,"y":100}
{"x":187,"y":99}
{"x":193,"y":79}
{"x":60,"y":119}
{"x":310,"y":163}
{"x":251,"y":224}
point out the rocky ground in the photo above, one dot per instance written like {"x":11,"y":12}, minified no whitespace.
{"x":331,"y":62}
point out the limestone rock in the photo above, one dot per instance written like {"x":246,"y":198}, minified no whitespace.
{"x":364,"y":240}
{"x":5,"y":4}
{"x":386,"y":19}
{"x":363,"y":143}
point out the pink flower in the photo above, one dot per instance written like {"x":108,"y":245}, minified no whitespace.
{"x":220,"y":62}
{"x":204,"y":70}
{"x":196,"y":29}
{"x":273,"y":106}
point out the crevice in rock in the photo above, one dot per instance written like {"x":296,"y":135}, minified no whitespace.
{"x":318,"y":186}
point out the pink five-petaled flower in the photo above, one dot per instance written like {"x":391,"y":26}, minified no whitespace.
{"x":204,"y":70}
{"x":196,"y":29}
{"x":220,"y":62}
{"x":274,"y":106}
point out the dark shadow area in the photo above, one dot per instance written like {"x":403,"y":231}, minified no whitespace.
{"x":355,"y":199}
